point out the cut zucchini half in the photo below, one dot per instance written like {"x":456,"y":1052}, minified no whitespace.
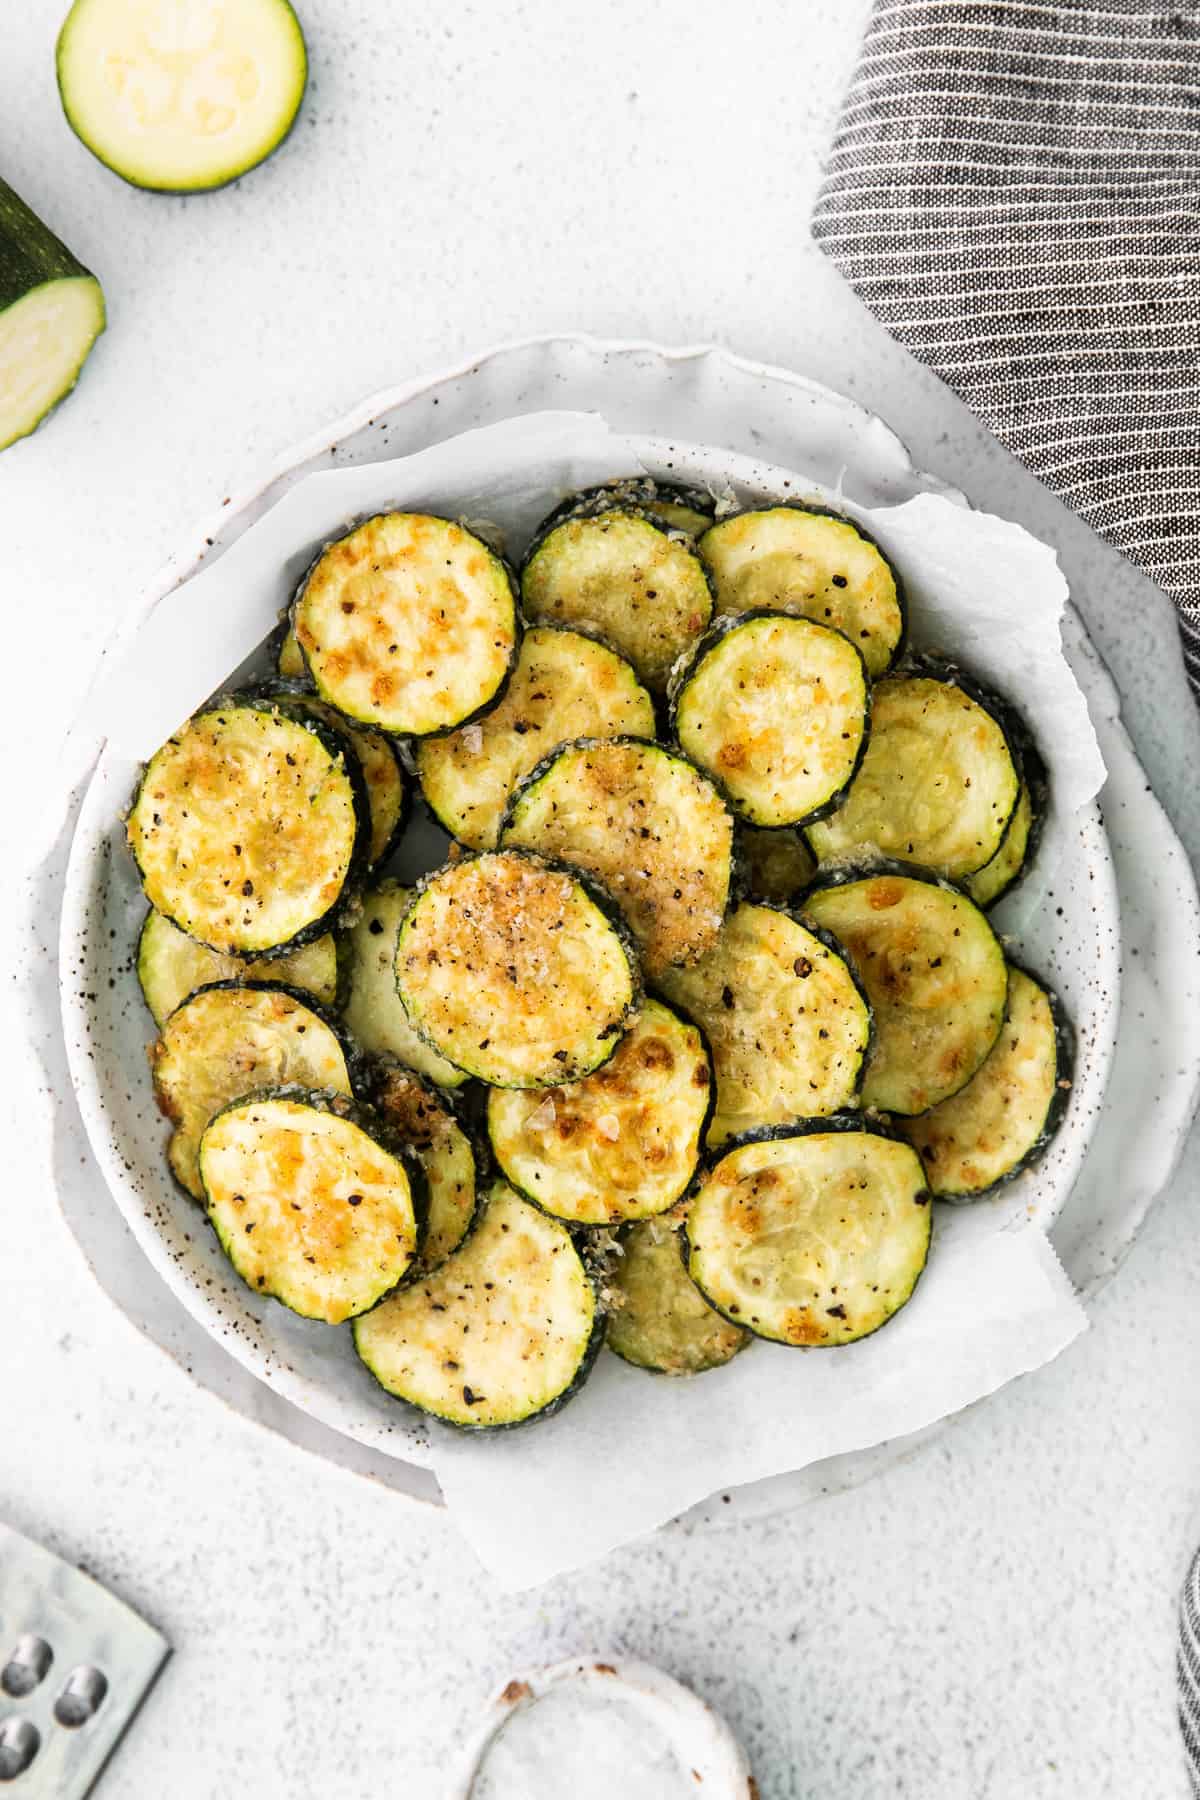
{"x":312,"y":1201}
{"x":934,"y":972}
{"x":812,"y":1235}
{"x":787,"y":1022}
{"x":51,"y":313}
{"x":670,"y":504}
{"x":649,"y":825}
{"x":421,"y":1118}
{"x":229,"y":1040}
{"x":623,"y":1143}
{"x":171,"y":965}
{"x":807,"y":560}
{"x":409,"y":623}
{"x":659,"y":1319}
{"x":1005,"y":1117}
{"x":1019,"y":847}
{"x":373,"y":1010}
{"x":514,"y":972}
{"x":564,"y":686}
{"x":504,"y":1332}
{"x":181,"y":95}
{"x":387,"y":789}
{"x":939,"y":782}
{"x":623,"y":577}
{"x":777,"y":708}
{"x":775,"y":864}
{"x":249,"y":829}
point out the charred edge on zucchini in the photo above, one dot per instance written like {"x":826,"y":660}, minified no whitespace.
{"x":171,"y":965}
{"x":428,"y":1123}
{"x":372,"y":1009}
{"x":811,"y":1234}
{"x":689,"y":510}
{"x":658,"y":1319}
{"x":506,"y":1331}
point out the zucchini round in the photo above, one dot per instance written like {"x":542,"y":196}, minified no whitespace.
{"x":311,"y":1200}
{"x":787,"y":1022}
{"x":939,"y":782}
{"x":419,"y":1117}
{"x":249,"y":828}
{"x":1019,"y":846}
{"x":659,"y":1319}
{"x":685,"y":509}
{"x":408,"y":623}
{"x":510,"y":968}
{"x":1008,"y":1112}
{"x":934,"y":972}
{"x":814,"y":1234}
{"x":289,"y":659}
{"x":181,"y":95}
{"x":776,"y":864}
{"x":647,"y":824}
{"x":229,"y":1040}
{"x":625,"y":578}
{"x":171,"y":965}
{"x":373,"y":1010}
{"x":777,"y":708}
{"x":383,"y":777}
{"x":808,"y":560}
{"x":564,"y":686}
{"x":623,"y":1143}
{"x":504,"y":1332}
{"x":51,"y":313}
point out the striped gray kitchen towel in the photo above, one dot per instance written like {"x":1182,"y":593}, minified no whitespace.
{"x":1014,"y":190}
{"x":1187,"y":1665}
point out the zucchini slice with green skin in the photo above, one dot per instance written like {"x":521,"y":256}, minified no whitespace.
{"x":777,"y":708}
{"x":659,"y":1319}
{"x":814,"y":1234}
{"x":934,"y":972}
{"x":786,"y":1019}
{"x":1008,"y":1112}
{"x":504,"y":1332}
{"x":51,"y":313}
{"x":808,"y":560}
{"x":622,"y":577}
{"x":422,"y":1119}
{"x":623,"y":1143}
{"x":670,"y":504}
{"x":409,"y":623}
{"x":648,"y":825}
{"x":180,"y":96}
{"x":775,"y":864}
{"x":514,"y":972}
{"x":250,"y":829}
{"x":373,"y":1011}
{"x":289,"y":658}
{"x":1017,"y":851}
{"x":387,"y":788}
{"x":228,"y":1040}
{"x":564,"y":686}
{"x":171,"y":965}
{"x":312,"y":1200}
{"x":939,"y":782}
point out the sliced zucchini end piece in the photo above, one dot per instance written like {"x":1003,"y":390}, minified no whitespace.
{"x":659,"y":1319}
{"x":45,"y":339}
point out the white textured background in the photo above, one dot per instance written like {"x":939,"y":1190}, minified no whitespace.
{"x":992,"y":1621}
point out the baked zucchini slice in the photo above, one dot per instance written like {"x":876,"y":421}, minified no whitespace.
{"x":51,"y":313}
{"x":229,"y":1040}
{"x":1008,"y":1112}
{"x":373,"y":1011}
{"x":312,"y":1201}
{"x":807,"y":560}
{"x":939,"y":782}
{"x":775,"y":864}
{"x":513,"y":971}
{"x":934,"y":972}
{"x":171,"y":965}
{"x":504,"y":1332}
{"x":659,"y":1319}
{"x":1019,"y":845}
{"x":649,"y":825}
{"x":777,"y":708}
{"x":813,"y":1234}
{"x":564,"y":686}
{"x":180,"y":97}
{"x":383,"y":777}
{"x":289,"y":659}
{"x":249,"y":829}
{"x":621,"y":1144}
{"x":409,"y":623}
{"x":670,"y":504}
{"x":421,"y":1118}
{"x":628,"y":580}
{"x":787,"y":1022}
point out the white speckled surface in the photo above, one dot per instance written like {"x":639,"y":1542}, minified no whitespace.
{"x":992,"y":1619}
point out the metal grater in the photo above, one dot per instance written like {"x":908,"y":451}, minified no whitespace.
{"x":75,"y":1665}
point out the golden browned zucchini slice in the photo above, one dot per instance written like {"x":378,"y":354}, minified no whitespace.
{"x":813,"y":1234}
{"x":387,"y":790}
{"x":777,"y":864}
{"x":623,"y":1143}
{"x":659,"y":1319}
{"x":685,"y":509}
{"x":1020,"y":842}
{"x":424,"y":1121}
{"x":373,"y":1010}
{"x":171,"y":966}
